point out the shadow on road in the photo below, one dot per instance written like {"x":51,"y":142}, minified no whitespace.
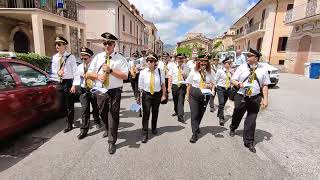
{"x":132,"y":138}
{"x":19,"y":146}
{"x":259,"y":135}
{"x":214,"y":130}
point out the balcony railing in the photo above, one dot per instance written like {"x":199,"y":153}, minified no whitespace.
{"x":66,"y":8}
{"x":303,"y":11}
{"x":253,"y":28}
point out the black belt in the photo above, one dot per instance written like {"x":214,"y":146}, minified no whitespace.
{"x":154,"y":94}
{"x":250,"y":97}
{"x":223,"y":88}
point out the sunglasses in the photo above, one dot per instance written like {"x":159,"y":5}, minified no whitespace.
{"x":109,"y":43}
{"x":203,"y":61}
{"x":84,"y":59}
{"x":59,"y":44}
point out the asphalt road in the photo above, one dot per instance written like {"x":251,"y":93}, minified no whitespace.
{"x":287,"y":142}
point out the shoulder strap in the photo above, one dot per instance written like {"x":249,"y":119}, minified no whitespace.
{"x":65,"y":61}
{"x":160,"y":76}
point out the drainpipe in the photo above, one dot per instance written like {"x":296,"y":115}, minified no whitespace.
{"x":274,"y":27}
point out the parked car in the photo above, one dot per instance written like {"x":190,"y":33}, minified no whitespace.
{"x":273,"y":71}
{"x":26,"y":96}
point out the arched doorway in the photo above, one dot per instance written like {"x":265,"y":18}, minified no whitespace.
{"x":303,"y":54}
{"x":21,"y":42}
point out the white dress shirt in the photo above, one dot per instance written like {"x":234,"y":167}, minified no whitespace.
{"x":195,"y":77}
{"x":144,"y":80}
{"x":241,"y":60}
{"x":70,"y":70}
{"x":117,"y":62}
{"x":81,"y":73}
{"x":221,"y":77}
{"x":243,"y":72}
{"x":191,"y":64}
{"x":174,"y":72}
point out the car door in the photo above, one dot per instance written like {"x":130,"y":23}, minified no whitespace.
{"x":14,"y":105}
{"x":34,"y":82}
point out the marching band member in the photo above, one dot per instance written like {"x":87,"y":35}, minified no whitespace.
{"x":253,"y":79}
{"x":64,"y":70}
{"x":199,"y":79}
{"x":109,"y":69}
{"x":87,"y":97}
{"x":152,"y":86}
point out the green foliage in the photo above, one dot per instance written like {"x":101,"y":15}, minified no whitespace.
{"x":217,"y":44}
{"x":185,"y":50}
{"x":230,"y":48}
{"x":42,"y":62}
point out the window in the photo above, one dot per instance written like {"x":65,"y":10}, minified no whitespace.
{"x":248,"y":48}
{"x":123,"y":50}
{"x":29,"y":77}
{"x":282,"y":44}
{"x":130,"y":27}
{"x":281,"y":62}
{"x":241,"y":30}
{"x":123,"y":23}
{"x":152,"y":32}
{"x":263,"y":15}
{"x":251,"y":22}
{"x":289,"y":7}
{"x":6,"y":81}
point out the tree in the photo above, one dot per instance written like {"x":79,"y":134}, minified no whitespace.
{"x":217,"y":44}
{"x":185,"y":50}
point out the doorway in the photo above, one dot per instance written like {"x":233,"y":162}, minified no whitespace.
{"x":21,"y":42}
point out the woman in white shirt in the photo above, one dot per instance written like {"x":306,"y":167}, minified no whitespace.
{"x":200,"y":84}
{"x":151,"y":85}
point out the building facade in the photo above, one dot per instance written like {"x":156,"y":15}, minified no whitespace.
{"x":152,"y":31}
{"x":118,"y":17}
{"x":304,"y":39}
{"x":227,"y":39}
{"x":159,"y":46}
{"x":197,"y":41}
{"x":32,"y":25}
{"x":263,"y":28}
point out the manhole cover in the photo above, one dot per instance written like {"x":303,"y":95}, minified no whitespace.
{"x":22,"y":147}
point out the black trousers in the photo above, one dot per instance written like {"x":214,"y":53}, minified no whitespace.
{"x":134,"y":85}
{"x":223,"y":95}
{"x":150,"y":103}
{"x":167,"y":83}
{"x":67,"y":100}
{"x":87,"y":98}
{"x":110,"y":101}
{"x":198,"y":104}
{"x":178,"y":94}
{"x":211,"y":102}
{"x":252,"y":107}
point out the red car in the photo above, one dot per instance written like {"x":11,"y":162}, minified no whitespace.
{"x":26,"y":97}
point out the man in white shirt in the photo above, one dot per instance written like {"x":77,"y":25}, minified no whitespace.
{"x":64,"y":70}
{"x":164,"y":66}
{"x":108,"y":69}
{"x":87,"y":97}
{"x":223,"y":82}
{"x":252,"y":79}
{"x":177,"y":76}
{"x":215,"y":66}
{"x":134,"y":74}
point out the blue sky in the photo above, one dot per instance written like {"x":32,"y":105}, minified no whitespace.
{"x":175,"y":18}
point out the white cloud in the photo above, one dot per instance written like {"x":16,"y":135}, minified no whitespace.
{"x":168,"y":18}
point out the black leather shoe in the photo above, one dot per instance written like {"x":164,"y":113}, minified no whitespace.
{"x":251,"y":147}
{"x":98,"y":125}
{"x":69,"y":128}
{"x":112,"y":148}
{"x":144,"y":139}
{"x":174,"y":114}
{"x":181,"y":119}
{"x":232,"y":133}
{"x":82,"y":135}
{"x":154,"y":131}
{"x":221,"y":122}
{"x":105,"y":134}
{"x":194,"y":138}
